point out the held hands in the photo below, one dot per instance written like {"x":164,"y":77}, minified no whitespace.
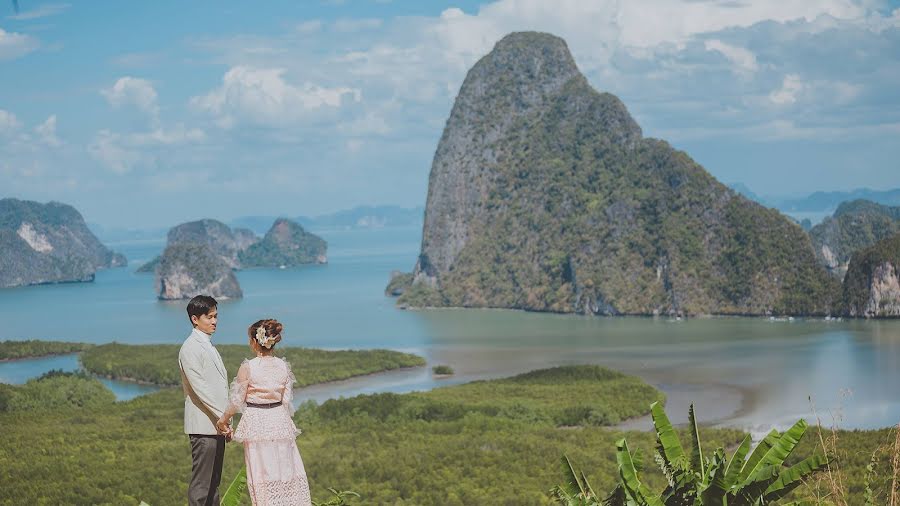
{"x":223,"y":425}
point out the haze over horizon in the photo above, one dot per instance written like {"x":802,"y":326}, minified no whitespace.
{"x":151,"y":114}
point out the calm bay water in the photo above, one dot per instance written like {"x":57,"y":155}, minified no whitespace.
{"x":746,"y":372}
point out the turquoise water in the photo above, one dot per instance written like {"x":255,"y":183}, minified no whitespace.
{"x":747,"y":372}
{"x":20,"y":371}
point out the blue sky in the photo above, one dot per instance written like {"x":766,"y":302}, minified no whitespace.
{"x":153,"y":113}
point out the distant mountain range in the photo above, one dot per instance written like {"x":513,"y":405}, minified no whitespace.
{"x":361,"y":217}
{"x":820,"y":201}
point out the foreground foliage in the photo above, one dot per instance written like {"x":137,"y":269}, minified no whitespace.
{"x":387,"y":452}
{"x":158,"y":363}
{"x":744,"y":479}
{"x":56,"y":390}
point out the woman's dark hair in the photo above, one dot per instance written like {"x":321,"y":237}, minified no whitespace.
{"x":273,"y":328}
{"x":200,"y":305}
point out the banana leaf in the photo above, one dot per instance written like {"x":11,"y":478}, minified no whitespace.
{"x":713,"y":494}
{"x":793,"y":476}
{"x":236,"y":490}
{"x":697,"y":463}
{"x":785,"y":445}
{"x":572,"y":484}
{"x":668,"y":445}
{"x":761,"y":449}
{"x":338,"y":499}
{"x":736,"y":462}
{"x":755,"y":486}
{"x":635,"y":491}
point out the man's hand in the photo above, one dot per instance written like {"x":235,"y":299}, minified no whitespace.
{"x":223,"y":425}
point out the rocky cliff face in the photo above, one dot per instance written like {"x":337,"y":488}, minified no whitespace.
{"x":215,"y":234}
{"x":187,"y":269}
{"x":219,"y":237}
{"x":199,"y":259}
{"x":872,"y":283}
{"x":525,"y":73}
{"x":855,"y":225}
{"x":48,"y":243}
{"x":286,"y":244}
{"x":543,"y":195}
{"x":201,"y":255}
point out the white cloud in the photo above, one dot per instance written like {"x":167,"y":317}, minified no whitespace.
{"x":46,"y":132}
{"x":107,"y":148}
{"x":14,"y":45}
{"x":789,"y":91}
{"x":42,"y":12}
{"x":744,"y":60}
{"x":8,"y":122}
{"x":653,"y":22}
{"x":262,"y":96}
{"x":355,"y":25}
{"x":123,"y":153}
{"x":133,"y":91}
{"x":846,"y":92}
{"x":177,"y":135}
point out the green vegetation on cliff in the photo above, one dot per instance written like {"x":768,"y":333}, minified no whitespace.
{"x":285,"y":244}
{"x":48,"y":243}
{"x":544,"y":196}
{"x":400,"y":282}
{"x":187,"y":269}
{"x":855,"y":225}
{"x":158,"y":363}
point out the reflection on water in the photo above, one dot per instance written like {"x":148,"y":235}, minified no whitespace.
{"x":740,"y":371}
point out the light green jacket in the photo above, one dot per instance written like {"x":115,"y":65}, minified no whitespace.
{"x":205,"y":384}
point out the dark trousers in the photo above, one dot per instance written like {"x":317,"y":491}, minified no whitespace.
{"x":207,"y":456}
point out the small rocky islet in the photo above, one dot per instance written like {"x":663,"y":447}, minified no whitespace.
{"x":201,"y":256}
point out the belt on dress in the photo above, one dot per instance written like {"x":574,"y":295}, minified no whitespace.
{"x":264,"y":406}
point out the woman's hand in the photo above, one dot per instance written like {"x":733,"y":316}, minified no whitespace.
{"x":223,"y":425}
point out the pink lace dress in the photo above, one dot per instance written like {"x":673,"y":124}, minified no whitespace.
{"x":275,"y":472}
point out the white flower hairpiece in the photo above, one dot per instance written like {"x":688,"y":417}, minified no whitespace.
{"x":262,"y":338}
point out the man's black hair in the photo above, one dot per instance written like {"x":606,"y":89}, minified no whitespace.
{"x":200,"y":305}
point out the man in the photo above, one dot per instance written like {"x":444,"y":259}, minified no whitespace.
{"x":205,"y":384}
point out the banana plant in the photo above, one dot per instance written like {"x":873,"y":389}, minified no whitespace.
{"x":713,"y":479}
{"x":236,"y":491}
{"x":576,"y":490}
{"x":339,"y":498}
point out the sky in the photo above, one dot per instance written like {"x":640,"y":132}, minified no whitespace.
{"x":152,"y":113}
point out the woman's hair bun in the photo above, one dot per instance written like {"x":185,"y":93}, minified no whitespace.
{"x":273,"y":330}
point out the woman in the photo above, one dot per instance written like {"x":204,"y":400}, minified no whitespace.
{"x":262,"y":391}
